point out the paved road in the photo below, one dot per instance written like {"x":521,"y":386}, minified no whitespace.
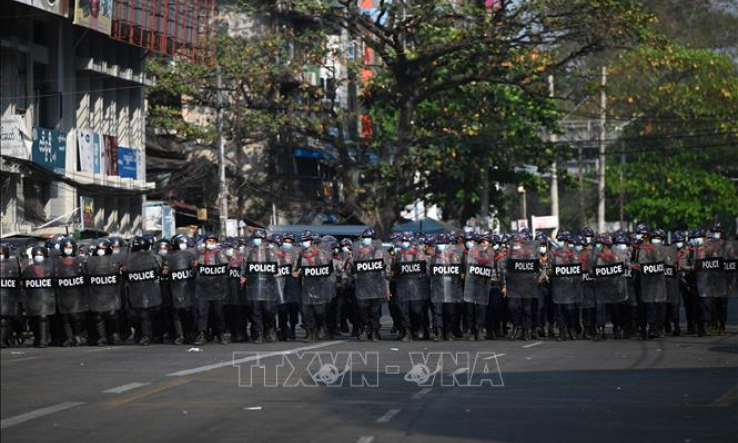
{"x":674,"y":390}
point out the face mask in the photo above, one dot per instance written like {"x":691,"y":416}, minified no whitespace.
{"x":101,"y":252}
{"x":366,"y":241}
{"x":116,"y":251}
{"x":2,"y":257}
{"x":257,"y":242}
{"x":228,"y":252}
{"x":599,"y":247}
{"x":496,"y":247}
{"x":57,"y":246}
{"x":579,"y":248}
{"x":441,"y":247}
{"x":700,"y":241}
{"x":271,"y":245}
{"x":716,"y":235}
{"x":38,"y":259}
{"x":68,"y":251}
{"x":541,"y":249}
{"x":639,"y":237}
{"x":306,"y":244}
{"x":589,"y":240}
{"x":679,"y":245}
{"x":516,"y":247}
{"x":211,"y":247}
{"x":656,"y":241}
{"x":405,"y":244}
{"x":287,"y":245}
{"x":163,"y":252}
{"x":345,"y":248}
{"x":469,"y":244}
{"x":560,"y":243}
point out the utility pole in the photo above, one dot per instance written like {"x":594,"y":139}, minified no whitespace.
{"x":554,"y":172}
{"x":484,"y":199}
{"x":602,"y":142}
{"x":622,"y":190}
{"x":222,"y":189}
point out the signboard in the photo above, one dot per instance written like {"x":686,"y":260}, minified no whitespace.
{"x":110,"y":144}
{"x":87,"y":212}
{"x":159,"y":217}
{"x":14,"y":140}
{"x":127,"y":166}
{"x":94,"y":14}
{"x":58,"y":7}
{"x":49,"y":149}
{"x":232,"y":227}
{"x":85,"y":155}
{"x":548,"y":222}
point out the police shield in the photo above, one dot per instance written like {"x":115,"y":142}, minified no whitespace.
{"x":10,"y":286}
{"x":651,"y":260}
{"x":369,"y":266}
{"x":39,"y":286}
{"x":481,"y":271}
{"x":261,"y":268}
{"x":143,"y":279}
{"x":182,"y":278}
{"x":288,"y":287}
{"x":729,"y":264}
{"x":609,"y":274}
{"x":445,"y":272}
{"x":211,"y":281}
{"x":671,"y":274}
{"x":71,"y":294}
{"x":411,"y":273}
{"x":709,"y":269}
{"x":521,"y":265}
{"x":566,"y":276}
{"x":318,"y":277}
{"x":236,"y":293}
{"x":104,"y":279}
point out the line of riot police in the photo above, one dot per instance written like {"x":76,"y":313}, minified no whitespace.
{"x":442,"y":287}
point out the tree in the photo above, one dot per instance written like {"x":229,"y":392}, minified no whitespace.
{"x":682,"y":146}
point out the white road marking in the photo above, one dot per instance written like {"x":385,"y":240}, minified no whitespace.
{"x":494,"y":356}
{"x":533,"y":344}
{"x":421,"y":393}
{"x":248,"y":359}
{"x":365,"y":439}
{"x":460,"y":371}
{"x":389,"y":415}
{"x":124,"y":388}
{"x":18,"y":419}
{"x":13,"y":360}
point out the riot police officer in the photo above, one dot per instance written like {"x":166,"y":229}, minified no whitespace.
{"x":211,"y":283}
{"x":73,"y":299}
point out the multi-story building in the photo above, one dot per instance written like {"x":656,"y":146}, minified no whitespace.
{"x":74,"y":108}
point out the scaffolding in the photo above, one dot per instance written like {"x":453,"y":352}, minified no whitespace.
{"x":171,"y":27}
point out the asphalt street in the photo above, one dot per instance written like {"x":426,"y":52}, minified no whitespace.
{"x":680,"y":389}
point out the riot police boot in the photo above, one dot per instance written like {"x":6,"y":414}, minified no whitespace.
{"x":616,"y":333}
{"x":540,"y":333}
{"x":4,"y":332}
{"x":514,"y":334}
{"x":201,"y":339}
{"x":282,"y":335}
{"x":419,"y":334}
{"x":525,"y":334}
{"x":115,"y":339}
{"x":309,"y":336}
{"x":291,"y":333}
{"x":562,"y":335}
{"x":435,"y":334}
{"x":550,"y":332}
{"x":68,"y":335}
{"x":602,"y":334}
{"x":472,"y":336}
{"x":362,"y":335}
{"x":572,"y":333}
{"x":178,"y":331}
{"x":271,"y":336}
{"x":376,"y":336}
{"x":44,"y":335}
{"x":406,"y":335}
{"x":102,"y":336}
{"x":145,"y":338}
